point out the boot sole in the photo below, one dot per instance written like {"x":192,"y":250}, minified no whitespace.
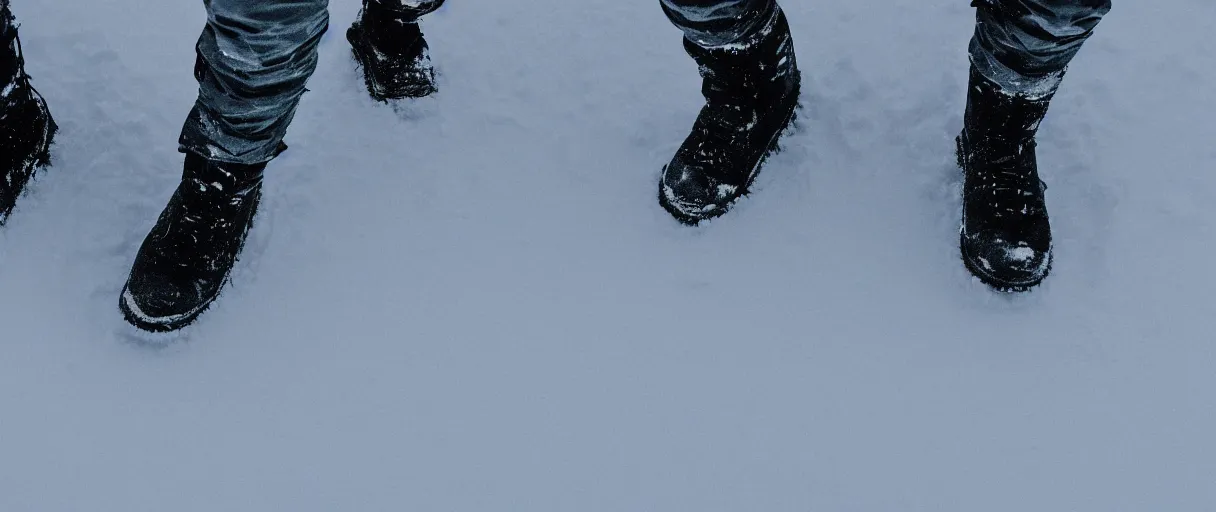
{"x":774,"y":148}
{"x":134,"y":316}
{"x":378,"y":92}
{"x":40,"y":159}
{"x":976,"y":267}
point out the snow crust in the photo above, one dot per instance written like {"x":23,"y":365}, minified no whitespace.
{"x":474,"y":302}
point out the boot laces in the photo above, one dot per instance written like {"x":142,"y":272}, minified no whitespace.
{"x":205,"y":223}
{"x":730,"y":113}
{"x":1009,"y":182}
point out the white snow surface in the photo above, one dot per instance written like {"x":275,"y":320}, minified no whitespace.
{"x":474,"y":302}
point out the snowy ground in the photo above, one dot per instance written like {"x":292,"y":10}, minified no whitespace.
{"x":474,"y":302}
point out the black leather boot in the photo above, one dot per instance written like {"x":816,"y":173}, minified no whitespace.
{"x":395,"y":58}
{"x":185,"y":261}
{"x":751,"y":91}
{"x":1006,"y":235}
{"x":26,"y":126}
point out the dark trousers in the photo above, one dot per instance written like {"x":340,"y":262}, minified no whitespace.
{"x":256,"y":55}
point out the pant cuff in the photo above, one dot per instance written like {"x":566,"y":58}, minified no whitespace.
{"x":1011,"y":81}
{"x":202,"y":136}
{"x":748,"y":28}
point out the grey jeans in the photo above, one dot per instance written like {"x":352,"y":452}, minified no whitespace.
{"x":1024,"y":45}
{"x":255,"y":56}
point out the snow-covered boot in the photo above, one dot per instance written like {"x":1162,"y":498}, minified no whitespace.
{"x":395,"y":58}
{"x":751,"y":91}
{"x":1005,"y":235}
{"x":26,"y":127}
{"x":185,"y":261}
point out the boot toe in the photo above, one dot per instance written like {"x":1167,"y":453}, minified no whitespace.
{"x":693,"y":194}
{"x":158,"y":302}
{"x":1004,"y":264}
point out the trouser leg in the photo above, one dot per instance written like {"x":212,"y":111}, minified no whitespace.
{"x":716,"y":23}
{"x":254,"y":58}
{"x":1025,"y":45}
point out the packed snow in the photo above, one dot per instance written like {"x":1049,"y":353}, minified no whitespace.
{"x":474,"y":302}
